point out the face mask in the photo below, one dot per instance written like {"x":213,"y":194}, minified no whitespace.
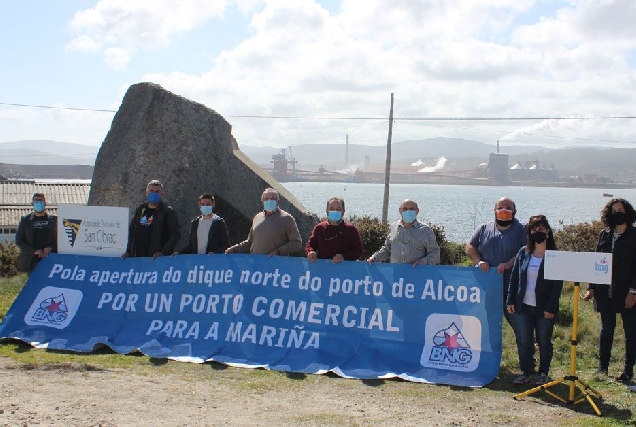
{"x":206,"y":210}
{"x":409,"y":216}
{"x":154,"y":197}
{"x":334,"y":216}
{"x":619,"y":218}
{"x":269,"y":205}
{"x":39,"y":206}
{"x":538,"y":236}
{"x":504,"y":217}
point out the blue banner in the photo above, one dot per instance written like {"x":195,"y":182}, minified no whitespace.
{"x":438,"y":324}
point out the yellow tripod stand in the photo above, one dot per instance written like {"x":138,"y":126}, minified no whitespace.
{"x":575,"y":381}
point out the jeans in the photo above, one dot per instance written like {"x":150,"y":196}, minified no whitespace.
{"x":608,"y":325}
{"x":528,"y":322}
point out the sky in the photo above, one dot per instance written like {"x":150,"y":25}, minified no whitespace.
{"x":312,"y":71}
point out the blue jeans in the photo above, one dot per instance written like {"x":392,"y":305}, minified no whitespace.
{"x":528,"y":322}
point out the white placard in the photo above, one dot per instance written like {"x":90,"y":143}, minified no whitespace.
{"x":586,"y":267}
{"x":92,"y":230}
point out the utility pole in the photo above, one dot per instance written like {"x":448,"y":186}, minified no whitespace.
{"x":387,"y":169}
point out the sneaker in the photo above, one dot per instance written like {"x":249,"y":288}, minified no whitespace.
{"x":522,"y":379}
{"x":624,"y":378}
{"x":542,"y":379}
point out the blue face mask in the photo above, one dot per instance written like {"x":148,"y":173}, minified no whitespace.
{"x":409,"y":216}
{"x":154,"y":197}
{"x":39,"y":206}
{"x":334,"y":216}
{"x":270,"y":205}
{"x":206,"y":210}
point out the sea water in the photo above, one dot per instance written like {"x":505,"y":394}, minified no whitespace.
{"x":460,"y":208}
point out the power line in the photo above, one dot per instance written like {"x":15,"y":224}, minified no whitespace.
{"x":50,"y":107}
{"x":430,"y":119}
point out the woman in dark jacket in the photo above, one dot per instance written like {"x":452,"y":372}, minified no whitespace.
{"x":533,"y":301}
{"x":619,"y":238}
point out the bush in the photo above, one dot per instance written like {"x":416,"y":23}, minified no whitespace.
{"x":9,"y":253}
{"x":373,"y":233}
{"x":581,"y":237}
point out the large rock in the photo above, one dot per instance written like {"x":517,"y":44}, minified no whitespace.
{"x":190,"y":149}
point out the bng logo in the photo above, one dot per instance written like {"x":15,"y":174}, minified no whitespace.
{"x":452,"y":342}
{"x":451,"y":347}
{"x":52,"y":310}
{"x":54,"y":307}
{"x":602,"y":266}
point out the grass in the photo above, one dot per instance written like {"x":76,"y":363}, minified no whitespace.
{"x":618,"y":404}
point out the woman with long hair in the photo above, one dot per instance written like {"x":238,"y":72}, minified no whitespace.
{"x":533,"y":301}
{"x":619,"y":238}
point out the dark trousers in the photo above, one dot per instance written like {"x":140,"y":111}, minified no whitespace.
{"x":608,"y":325}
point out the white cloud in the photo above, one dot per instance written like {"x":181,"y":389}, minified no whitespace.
{"x":441,"y":59}
{"x":131,"y":25}
{"x":116,"y":58}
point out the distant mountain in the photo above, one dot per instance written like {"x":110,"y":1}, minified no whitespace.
{"x":462,"y":154}
{"x":46,"y":152}
{"x":333,"y":155}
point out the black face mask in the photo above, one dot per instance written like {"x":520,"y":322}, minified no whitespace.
{"x":502,"y":223}
{"x":538,"y":236}
{"x":619,"y":218}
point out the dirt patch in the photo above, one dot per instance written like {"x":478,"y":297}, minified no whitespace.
{"x":216,"y":395}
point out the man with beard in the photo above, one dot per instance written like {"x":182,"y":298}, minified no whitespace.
{"x":496,"y":243}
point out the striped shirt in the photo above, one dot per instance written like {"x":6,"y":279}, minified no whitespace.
{"x":405,"y":245}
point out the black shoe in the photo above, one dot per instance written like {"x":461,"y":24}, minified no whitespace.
{"x":624,"y":378}
{"x":602,"y":371}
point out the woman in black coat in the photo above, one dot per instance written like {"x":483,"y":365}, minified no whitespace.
{"x":619,"y":238}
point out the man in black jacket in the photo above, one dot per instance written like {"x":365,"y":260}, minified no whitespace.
{"x":37,"y":234}
{"x":208,"y":231}
{"x":154,"y":228}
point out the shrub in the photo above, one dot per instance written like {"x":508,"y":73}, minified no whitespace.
{"x":581,"y":237}
{"x":9,"y":253}
{"x":372,"y":231}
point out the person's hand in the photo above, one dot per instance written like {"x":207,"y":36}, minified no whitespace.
{"x":371,"y":260}
{"x":419,"y":262}
{"x":338,"y":258}
{"x":511,"y":309}
{"x":46,"y":252}
{"x":157,"y":255}
{"x":630,"y":300}
{"x":548,"y":315}
{"x":312,"y":256}
{"x":38,"y":253}
{"x":589,"y":295}
{"x":229,"y":251}
{"x":175,"y":253}
{"x":274,"y":252}
{"x":483,"y":266}
{"x":501,"y":268}
{"x":125,"y":255}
